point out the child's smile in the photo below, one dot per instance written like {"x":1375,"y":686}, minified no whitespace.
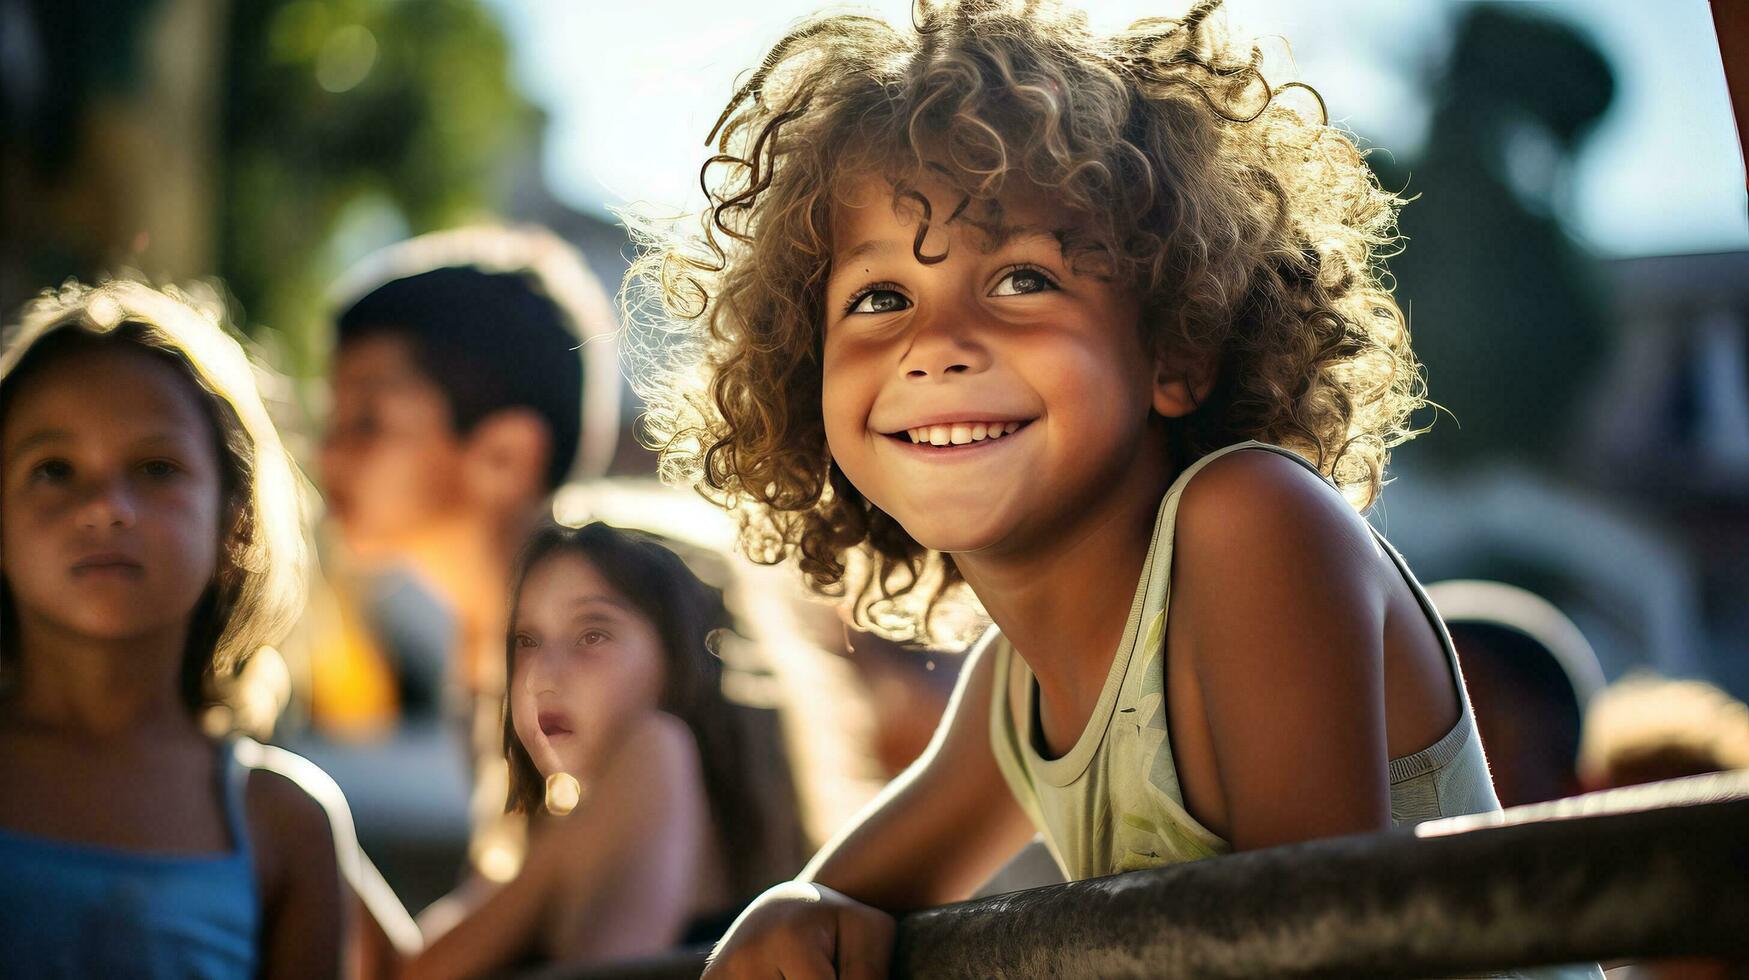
{"x":957,"y":434}
{"x":990,"y":396}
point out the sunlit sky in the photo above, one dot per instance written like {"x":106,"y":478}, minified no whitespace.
{"x":631,"y":88}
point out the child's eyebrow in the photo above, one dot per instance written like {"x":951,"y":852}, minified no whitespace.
{"x":174,"y":438}
{"x":587,"y":600}
{"x":999,"y":236}
{"x":872,"y":246}
{"x":39,"y":438}
{"x":996,"y":236}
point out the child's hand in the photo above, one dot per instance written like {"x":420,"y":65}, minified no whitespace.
{"x":800,"y":930}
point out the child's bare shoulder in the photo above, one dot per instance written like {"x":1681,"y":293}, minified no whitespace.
{"x":295,"y":820}
{"x":293,"y":810}
{"x":1263,"y":506}
{"x":661,"y":744}
{"x":657,"y":770}
{"x":1264,"y":550}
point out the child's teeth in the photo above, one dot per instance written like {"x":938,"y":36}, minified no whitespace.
{"x":960,"y":433}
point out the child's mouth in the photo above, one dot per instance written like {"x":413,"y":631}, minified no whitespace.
{"x":958,"y":435}
{"x":554,"y":724}
{"x":108,"y":564}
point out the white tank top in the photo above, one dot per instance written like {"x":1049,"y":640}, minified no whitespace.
{"x":1113,"y":803}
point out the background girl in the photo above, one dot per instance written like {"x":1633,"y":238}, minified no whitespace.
{"x":686,"y":809}
{"x":150,"y":542}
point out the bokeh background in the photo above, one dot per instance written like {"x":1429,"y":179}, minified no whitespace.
{"x":1576,"y":269}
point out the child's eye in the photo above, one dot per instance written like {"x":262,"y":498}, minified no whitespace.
{"x":593,"y":637}
{"x":877,"y":299}
{"x":524,"y":640}
{"x":159,"y":468}
{"x":359,"y":428}
{"x":51,"y":471}
{"x":1023,"y":280}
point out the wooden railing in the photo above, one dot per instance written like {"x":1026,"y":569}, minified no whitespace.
{"x":1653,"y":871}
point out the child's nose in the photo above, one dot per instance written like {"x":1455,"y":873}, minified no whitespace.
{"x":108,"y":503}
{"x":542,"y":677}
{"x":943,"y":344}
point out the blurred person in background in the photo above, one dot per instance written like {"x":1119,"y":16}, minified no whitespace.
{"x":458,"y":385}
{"x":656,"y":806}
{"x":473,"y":373}
{"x":1511,"y":316}
{"x":1530,"y":674}
{"x":1646,"y":728}
{"x":153,"y":543}
{"x":1505,"y":307}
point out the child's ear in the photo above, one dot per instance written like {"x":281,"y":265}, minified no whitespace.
{"x":1182,"y":383}
{"x":504,"y":460}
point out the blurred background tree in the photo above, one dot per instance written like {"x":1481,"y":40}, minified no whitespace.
{"x":1504,"y":305}
{"x":344,"y":114}
{"x":266,"y":142}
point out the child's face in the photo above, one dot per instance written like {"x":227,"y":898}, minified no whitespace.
{"x":390,"y":460}
{"x":110,"y":528}
{"x":1028,"y":384}
{"x":586,"y":663}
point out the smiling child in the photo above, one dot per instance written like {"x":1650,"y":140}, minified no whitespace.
{"x":1094,"y":327}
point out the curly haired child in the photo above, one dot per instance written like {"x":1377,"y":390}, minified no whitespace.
{"x":1094,"y":327}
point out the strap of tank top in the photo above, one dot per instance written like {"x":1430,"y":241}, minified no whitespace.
{"x":235,"y":781}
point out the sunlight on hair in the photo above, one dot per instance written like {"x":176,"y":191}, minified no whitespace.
{"x":1198,"y":172}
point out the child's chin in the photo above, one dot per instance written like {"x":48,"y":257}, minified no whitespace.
{"x":111,"y":626}
{"x":950,"y":537}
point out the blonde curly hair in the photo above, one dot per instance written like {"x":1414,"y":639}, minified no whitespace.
{"x":1253,"y":232}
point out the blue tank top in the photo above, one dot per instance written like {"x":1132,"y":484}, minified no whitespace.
{"x":78,"y":910}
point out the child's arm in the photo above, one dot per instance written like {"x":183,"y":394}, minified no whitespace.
{"x":629,"y":850}
{"x":936,"y":833}
{"x":1280,"y":605}
{"x":381,"y":932}
{"x":302,"y":899}
{"x":940,"y":829}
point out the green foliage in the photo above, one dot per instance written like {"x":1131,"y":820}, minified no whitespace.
{"x":331,"y":104}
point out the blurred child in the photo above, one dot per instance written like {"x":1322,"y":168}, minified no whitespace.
{"x":1645,"y":728}
{"x":1530,"y":673}
{"x":1093,"y":325}
{"x":473,"y":373}
{"x":615,"y":708}
{"x":151,"y":543}
{"x":461,"y":400}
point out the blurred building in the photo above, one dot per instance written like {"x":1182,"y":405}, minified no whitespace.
{"x":1667,"y":429}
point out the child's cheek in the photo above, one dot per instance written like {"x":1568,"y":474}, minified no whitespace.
{"x":192,"y":519}
{"x":844,"y":407}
